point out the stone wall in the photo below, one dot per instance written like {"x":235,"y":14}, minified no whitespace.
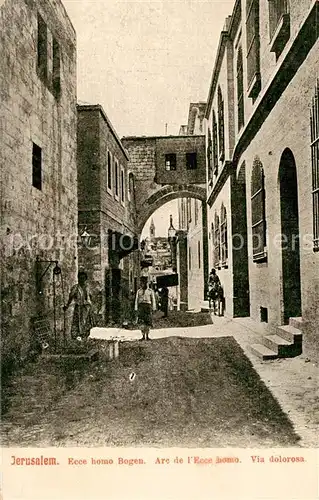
{"x":101,"y":210}
{"x":288,"y":126}
{"x":180,"y":146}
{"x":224,"y":270}
{"x":156,"y":186}
{"x":195,"y":259}
{"x":36,"y":109}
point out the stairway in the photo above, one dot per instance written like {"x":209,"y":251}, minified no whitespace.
{"x":286,"y":343}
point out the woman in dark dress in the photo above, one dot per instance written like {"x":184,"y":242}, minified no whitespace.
{"x":82,"y":320}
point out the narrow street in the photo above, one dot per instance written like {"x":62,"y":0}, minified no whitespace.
{"x":188,"y":387}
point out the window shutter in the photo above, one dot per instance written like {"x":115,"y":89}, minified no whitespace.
{"x":215,"y":145}
{"x":217,"y":242}
{"x":221,"y":132}
{"x":240,"y":90}
{"x":314,"y":129}
{"x":252,"y":31}
{"x":223,"y":235}
{"x":258,"y":210}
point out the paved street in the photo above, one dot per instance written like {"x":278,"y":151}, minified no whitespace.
{"x":188,"y":387}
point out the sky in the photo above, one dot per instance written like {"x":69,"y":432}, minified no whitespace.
{"x":161,"y":220}
{"x":145,"y":61}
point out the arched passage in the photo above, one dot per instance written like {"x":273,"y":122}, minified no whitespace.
{"x":165,"y":194}
{"x":191,"y":277}
{"x":290,"y":235}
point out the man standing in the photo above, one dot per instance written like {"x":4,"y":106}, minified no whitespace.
{"x":145,"y":304}
{"x":215,"y":290}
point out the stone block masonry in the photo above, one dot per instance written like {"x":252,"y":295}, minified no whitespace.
{"x":39,"y":173}
{"x":106,"y":209}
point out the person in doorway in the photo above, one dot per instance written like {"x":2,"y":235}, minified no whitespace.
{"x":145,"y":304}
{"x":82,"y":320}
{"x":164,"y":301}
{"x":214,"y":289}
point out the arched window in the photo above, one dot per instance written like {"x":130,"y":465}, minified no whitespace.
{"x":215,"y":144}
{"x":258,"y":211}
{"x":216,"y":242}
{"x":240,"y":90}
{"x":314,"y":128}
{"x":223,"y":235}
{"x":221,"y":130}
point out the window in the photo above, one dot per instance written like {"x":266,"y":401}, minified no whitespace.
{"x":279,"y":25}
{"x":196,"y":211}
{"x":240,"y":90}
{"x":277,"y":9}
{"x":189,"y":209}
{"x":209,"y":155}
{"x":221,"y":130}
{"x":36,"y":167}
{"x":170,"y":161}
{"x":131,"y":186}
{"x":122,"y":186}
{"x":264,"y":314}
{"x":253,"y":47}
{"x":42,"y":49}
{"x":223,"y":235}
{"x":116,"y":178}
{"x":198,"y":245}
{"x":56,"y":81}
{"x":215,"y":145}
{"x":258,"y":211}
{"x":212,"y":236}
{"x":191,"y":161}
{"x":314,"y":127}
{"x":109,"y":170}
{"x":216,"y":242}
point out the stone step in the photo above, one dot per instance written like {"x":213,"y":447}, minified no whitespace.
{"x":263,"y":352}
{"x":280,"y":346}
{"x":296,"y":322}
{"x":290,"y":333}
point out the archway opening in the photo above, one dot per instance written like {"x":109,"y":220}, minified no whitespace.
{"x":240,"y":246}
{"x":174,"y":242}
{"x":290,"y":236}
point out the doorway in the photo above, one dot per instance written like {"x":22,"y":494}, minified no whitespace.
{"x":290,"y":236}
{"x":241,"y":295}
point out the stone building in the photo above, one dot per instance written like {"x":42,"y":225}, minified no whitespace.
{"x":262,"y":145}
{"x":157,"y":247}
{"x":192,"y":236}
{"x":38,"y":168}
{"x":167,"y":168}
{"x":191,"y":252}
{"x":107,"y":225}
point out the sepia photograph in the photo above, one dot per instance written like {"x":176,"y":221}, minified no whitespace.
{"x":159,"y":242}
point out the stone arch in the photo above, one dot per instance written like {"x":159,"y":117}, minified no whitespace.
{"x":166,"y":194}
